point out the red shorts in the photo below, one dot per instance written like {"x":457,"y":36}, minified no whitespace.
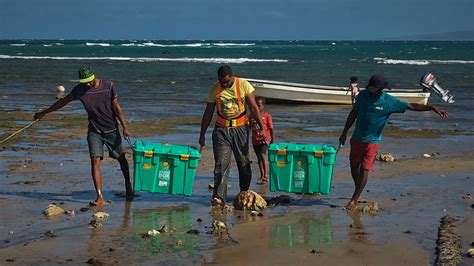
{"x":364,"y":154}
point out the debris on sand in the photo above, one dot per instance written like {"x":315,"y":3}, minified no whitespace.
{"x":100,"y":216}
{"x":282,"y":199}
{"x":50,"y":233}
{"x":470,"y":253}
{"x":371,"y":208}
{"x":467,"y":196}
{"x":388,"y":157}
{"x":97,"y":219}
{"x":218,"y":225}
{"x":193,"y":232}
{"x":94,"y":262}
{"x":255,"y":213}
{"x":95,"y":224}
{"x":52,"y":210}
{"x":448,"y":248}
{"x":153,"y":232}
{"x":426,"y":155}
{"x":26,"y":182}
{"x":228,"y":208}
{"x":249,"y":200}
{"x":316,"y":252}
{"x":70,"y":212}
{"x":163,"y":229}
{"x":179,"y":242}
{"x":173,"y":229}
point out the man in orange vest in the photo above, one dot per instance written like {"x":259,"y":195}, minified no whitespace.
{"x":231,"y":133}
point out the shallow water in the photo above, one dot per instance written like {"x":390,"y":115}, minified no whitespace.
{"x":154,"y":89}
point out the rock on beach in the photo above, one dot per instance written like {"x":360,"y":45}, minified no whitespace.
{"x":249,"y":200}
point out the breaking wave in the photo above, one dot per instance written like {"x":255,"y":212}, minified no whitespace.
{"x":420,"y":62}
{"x":97,"y":44}
{"x":206,"y":45}
{"x":150,"y":59}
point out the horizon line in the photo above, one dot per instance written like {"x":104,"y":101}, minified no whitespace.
{"x":240,"y":40}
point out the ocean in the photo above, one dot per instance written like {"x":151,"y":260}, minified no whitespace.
{"x":158,"y":79}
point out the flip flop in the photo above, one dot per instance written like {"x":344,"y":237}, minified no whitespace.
{"x":95,"y":204}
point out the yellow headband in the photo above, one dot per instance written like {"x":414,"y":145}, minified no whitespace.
{"x":86,"y":80}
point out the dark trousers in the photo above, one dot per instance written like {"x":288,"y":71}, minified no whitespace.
{"x":225,"y":142}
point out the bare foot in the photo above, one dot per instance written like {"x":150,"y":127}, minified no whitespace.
{"x":98,"y":202}
{"x":350,"y":206}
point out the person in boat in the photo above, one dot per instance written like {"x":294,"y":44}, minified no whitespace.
{"x":353,"y":88}
{"x":233,"y":96}
{"x":371,"y":111}
{"x":260,"y":143}
{"x":100,"y":100}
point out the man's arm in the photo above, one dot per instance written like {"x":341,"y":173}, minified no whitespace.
{"x":423,"y":108}
{"x":55,"y":106}
{"x":255,"y":112}
{"x":121,"y":117}
{"x":206,"y":120}
{"x":349,"y":122}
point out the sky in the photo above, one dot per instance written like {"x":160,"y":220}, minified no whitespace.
{"x":233,"y":20}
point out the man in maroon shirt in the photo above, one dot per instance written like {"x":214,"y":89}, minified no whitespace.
{"x":100,"y":101}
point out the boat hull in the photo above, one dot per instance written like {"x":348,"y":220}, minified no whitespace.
{"x":324,"y":94}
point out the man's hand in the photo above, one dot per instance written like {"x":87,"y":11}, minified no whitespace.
{"x":342,"y":139}
{"x":202,"y":141}
{"x":125,"y":132}
{"x":39,"y":115}
{"x":440,"y":112}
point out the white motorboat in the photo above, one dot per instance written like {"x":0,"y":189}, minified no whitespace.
{"x":286,"y":91}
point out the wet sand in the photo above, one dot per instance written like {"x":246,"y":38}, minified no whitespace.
{"x":49,"y":164}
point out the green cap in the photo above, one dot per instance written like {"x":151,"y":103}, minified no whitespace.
{"x":86,"y":74}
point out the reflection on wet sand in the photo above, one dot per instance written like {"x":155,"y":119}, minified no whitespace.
{"x":356,"y":232}
{"x":163,"y":219}
{"x":305,"y":231}
{"x":180,"y":238}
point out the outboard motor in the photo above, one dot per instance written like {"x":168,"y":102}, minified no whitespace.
{"x":428,"y":81}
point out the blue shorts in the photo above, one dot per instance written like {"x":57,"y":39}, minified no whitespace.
{"x":112,"y":140}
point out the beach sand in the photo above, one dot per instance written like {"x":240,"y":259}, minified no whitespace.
{"x":49,"y":164}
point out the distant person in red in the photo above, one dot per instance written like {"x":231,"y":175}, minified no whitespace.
{"x":100,"y":101}
{"x":260,"y":143}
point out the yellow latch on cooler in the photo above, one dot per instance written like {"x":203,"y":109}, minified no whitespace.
{"x":148,"y":153}
{"x":184,"y":157}
{"x":318,"y":153}
{"x":281,"y":152}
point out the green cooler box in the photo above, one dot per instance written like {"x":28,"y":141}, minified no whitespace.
{"x":301,"y":168}
{"x":164,"y":168}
